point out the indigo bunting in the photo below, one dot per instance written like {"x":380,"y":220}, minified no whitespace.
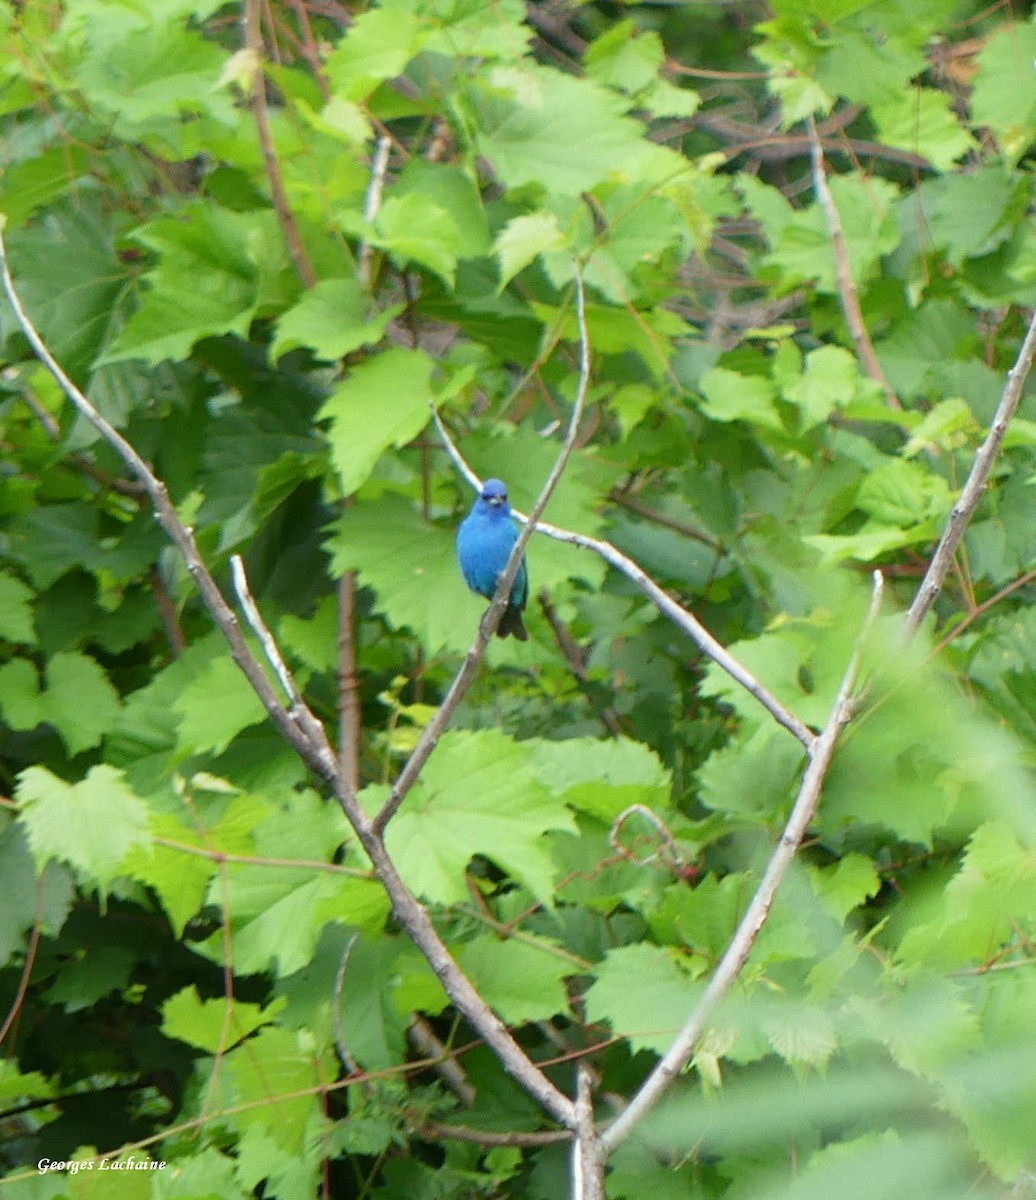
{"x":484,"y":542}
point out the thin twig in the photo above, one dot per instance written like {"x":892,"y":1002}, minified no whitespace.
{"x":974,"y":486}
{"x":301,"y":729}
{"x":487,"y":627}
{"x":730,"y":966}
{"x":574,"y":657}
{"x":167,"y":611}
{"x":350,"y":714}
{"x":844,"y":273}
{"x":616,"y":496}
{"x":433,"y":1131}
{"x":372,"y":203}
{"x":661,"y":600}
{"x":260,"y":112}
{"x":259,"y":628}
{"x":984,"y":607}
{"x":350,"y":725}
{"x":422,"y":1038}
{"x":348,"y":1061}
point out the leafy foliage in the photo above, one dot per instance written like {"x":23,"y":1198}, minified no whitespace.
{"x":199,"y":967}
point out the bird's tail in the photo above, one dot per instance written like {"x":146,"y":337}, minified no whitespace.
{"x":511,"y":622}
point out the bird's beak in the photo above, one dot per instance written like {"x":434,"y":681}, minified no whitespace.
{"x":496,"y":501}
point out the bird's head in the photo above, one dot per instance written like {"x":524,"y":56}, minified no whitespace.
{"x":494,"y":493}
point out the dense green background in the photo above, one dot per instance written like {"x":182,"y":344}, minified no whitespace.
{"x":176,"y":894}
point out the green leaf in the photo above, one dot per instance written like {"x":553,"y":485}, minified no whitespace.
{"x":276,"y":1063}
{"x":78,"y":699}
{"x":829,"y":383}
{"x":521,"y":980}
{"x":942,"y":426}
{"x":213,"y":1025}
{"x":921,"y":121}
{"x":1004,"y":94}
{"x":377,"y":46}
{"x":601,"y":778}
{"x":846,"y":884}
{"x":332,"y":319}
{"x":644,"y":993}
{"x":802,"y":1035}
{"x":625,"y":57}
{"x":215,"y":706}
{"x":91,"y":825}
{"x":903,"y":493}
{"x":538,"y":126}
{"x":383,"y":402}
{"x":414,"y":229}
{"x":207,"y":280}
{"x":412,"y":567}
{"x":479,"y":794}
{"x":146,"y":74}
{"x":70,"y":281}
{"x":802,"y":248}
{"x":523,"y":239}
{"x":730,"y":396}
{"x":284,"y":921}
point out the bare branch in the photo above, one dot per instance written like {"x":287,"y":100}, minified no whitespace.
{"x":661,"y":600}
{"x":587,"y":1157}
{"x":254,"y":44}
{"x":261,"y":631}
{"x":422,"y":1038}
{"x":371,"y":204}
{"x":736,"y":955}
{"x":844,"y":273}
{"x":433,"y":1131}
{"x":305,"y":735}
{"x":574,"y":657}
{"x":975,"y":484}
{"x":487,"y":627}
{"x":348,"y":1061}
{"x":350,"y":722}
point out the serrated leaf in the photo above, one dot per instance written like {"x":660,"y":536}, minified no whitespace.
{"x":521,"y":981}
{"x":643,"y":994}
{"x":846,"y":884}
{"x":377,"y":46}
{"x":625,"y":57}
{"x":414,"y":229}
{"x":479,"y":794}
{"x":215,"y":706}
{"x":802,"y":1036}
{"x":382,"y":403}
{"x":921,"y":120}
{"x":941,"y":426}
{"x":79,"y":700}
{"x":91,"y":825}
{"x":524,"y":238}
{"x":213,"y":1024}
{"x":730,"y":396}
{"x":1004,"y":96}
{"x":538,"y":126}
{"x":903,"y":493}
{"x":276,"y":1063}
{"x":207,"y":281}
{"x":332,"y":319}
{"x":828,"y":383}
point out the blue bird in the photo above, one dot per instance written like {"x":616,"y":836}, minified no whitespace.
{"x":484,"y":542}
